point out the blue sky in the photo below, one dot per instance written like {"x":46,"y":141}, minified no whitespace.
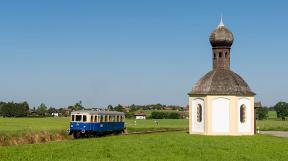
{"x":141,"y":52}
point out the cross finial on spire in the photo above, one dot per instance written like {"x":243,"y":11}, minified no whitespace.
{"x":221,"y":24}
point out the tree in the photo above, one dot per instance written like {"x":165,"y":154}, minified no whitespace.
{"x":12,"y":109}
{"x":281,"y":109}
{"x":41,"y":110}
{"x":110,"y":108}
{"x":1,"y":105}
{"x":25,"y":108}
{"x":119,"y":108}
{"x":63,"y":112}
{"x":51,"y":110}
{"x":261,"y":113}
{"x":78,"y":106}
{"x":133,"y":108}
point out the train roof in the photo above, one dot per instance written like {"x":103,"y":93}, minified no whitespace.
{"x":93,"y":112}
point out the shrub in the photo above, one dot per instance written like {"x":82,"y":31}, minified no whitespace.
{"x":262,"y":113}
{"x":164,"y":115}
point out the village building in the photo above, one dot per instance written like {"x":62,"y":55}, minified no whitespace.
{"x":140,"y":116}
{"x":221,"y":102}
{"x":55,"y":114}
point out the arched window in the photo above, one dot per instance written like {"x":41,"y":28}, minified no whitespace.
{"x":242,"y":113}
{"x":199,"y":113}
{"x":226,"y":54}
{"x":214,"y":56}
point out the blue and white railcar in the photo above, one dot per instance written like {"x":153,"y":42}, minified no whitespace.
{"x":93,"y":123}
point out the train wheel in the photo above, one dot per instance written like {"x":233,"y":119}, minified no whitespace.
{"x":77,"y":135}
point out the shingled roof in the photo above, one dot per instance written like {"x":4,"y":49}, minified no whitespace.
{"x":221,"y":82}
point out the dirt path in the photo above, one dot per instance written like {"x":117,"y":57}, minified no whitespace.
{"x":275,"y":133}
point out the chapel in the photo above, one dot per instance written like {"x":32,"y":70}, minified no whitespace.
{"x":221,"y":102}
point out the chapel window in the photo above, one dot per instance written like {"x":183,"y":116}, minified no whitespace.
{"x":199,"y":113}
{"x":242,"y":113}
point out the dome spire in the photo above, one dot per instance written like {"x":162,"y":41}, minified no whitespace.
{"x":221,"y":24}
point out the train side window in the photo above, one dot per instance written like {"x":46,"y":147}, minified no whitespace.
{"x":84,"y":118}
{"x":78,"y":118}
{"x":95,"y":118}
{"x":72,"y":118}
{"x":101,"y":118}
{"x":106,"y":118}
{"x":91,"y":118}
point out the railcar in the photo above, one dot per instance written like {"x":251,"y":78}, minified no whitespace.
{"x":87,"y":123}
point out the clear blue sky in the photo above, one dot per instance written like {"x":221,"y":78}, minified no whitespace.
{"x":141,"y":52}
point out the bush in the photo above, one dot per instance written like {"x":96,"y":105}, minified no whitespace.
{"x":262,"y":113}
{"x":129,"y":115}
{"x":164,"y":115}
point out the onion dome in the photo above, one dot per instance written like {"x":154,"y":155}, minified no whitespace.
{"x":221,"y":82}
{"x":221,"y":36}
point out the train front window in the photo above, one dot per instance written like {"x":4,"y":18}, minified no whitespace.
{"x":84,"y":118}
{"x":78,"y":118}
{"x":72,"y":118}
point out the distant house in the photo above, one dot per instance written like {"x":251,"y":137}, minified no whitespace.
{"x":140,"y":116}
{"x":126,"y":109}
{"x":186,"y":109}
{"x":55,"y":114}
{"x":168,"y":108}
{"x":257,"y":104}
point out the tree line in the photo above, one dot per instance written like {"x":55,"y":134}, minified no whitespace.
{"x":281,"y":109}
{"x":12,"y":109}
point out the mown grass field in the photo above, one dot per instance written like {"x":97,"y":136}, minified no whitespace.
{"x":16,"y":126}
{"x":161,"y":146}
{"x":174,"y":146}
{"x":12,"y":126}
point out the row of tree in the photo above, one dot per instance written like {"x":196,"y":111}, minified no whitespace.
{"x":12,"y":109}
{"x":133,"y":107}
{"x":281,"y":109}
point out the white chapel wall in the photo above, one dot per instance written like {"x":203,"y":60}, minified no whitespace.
{"x":220,"y":115}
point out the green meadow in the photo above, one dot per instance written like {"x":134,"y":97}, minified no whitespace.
{"x":159,"y":146}
{"x":170,"y":146}
{"x":17,"y":126}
